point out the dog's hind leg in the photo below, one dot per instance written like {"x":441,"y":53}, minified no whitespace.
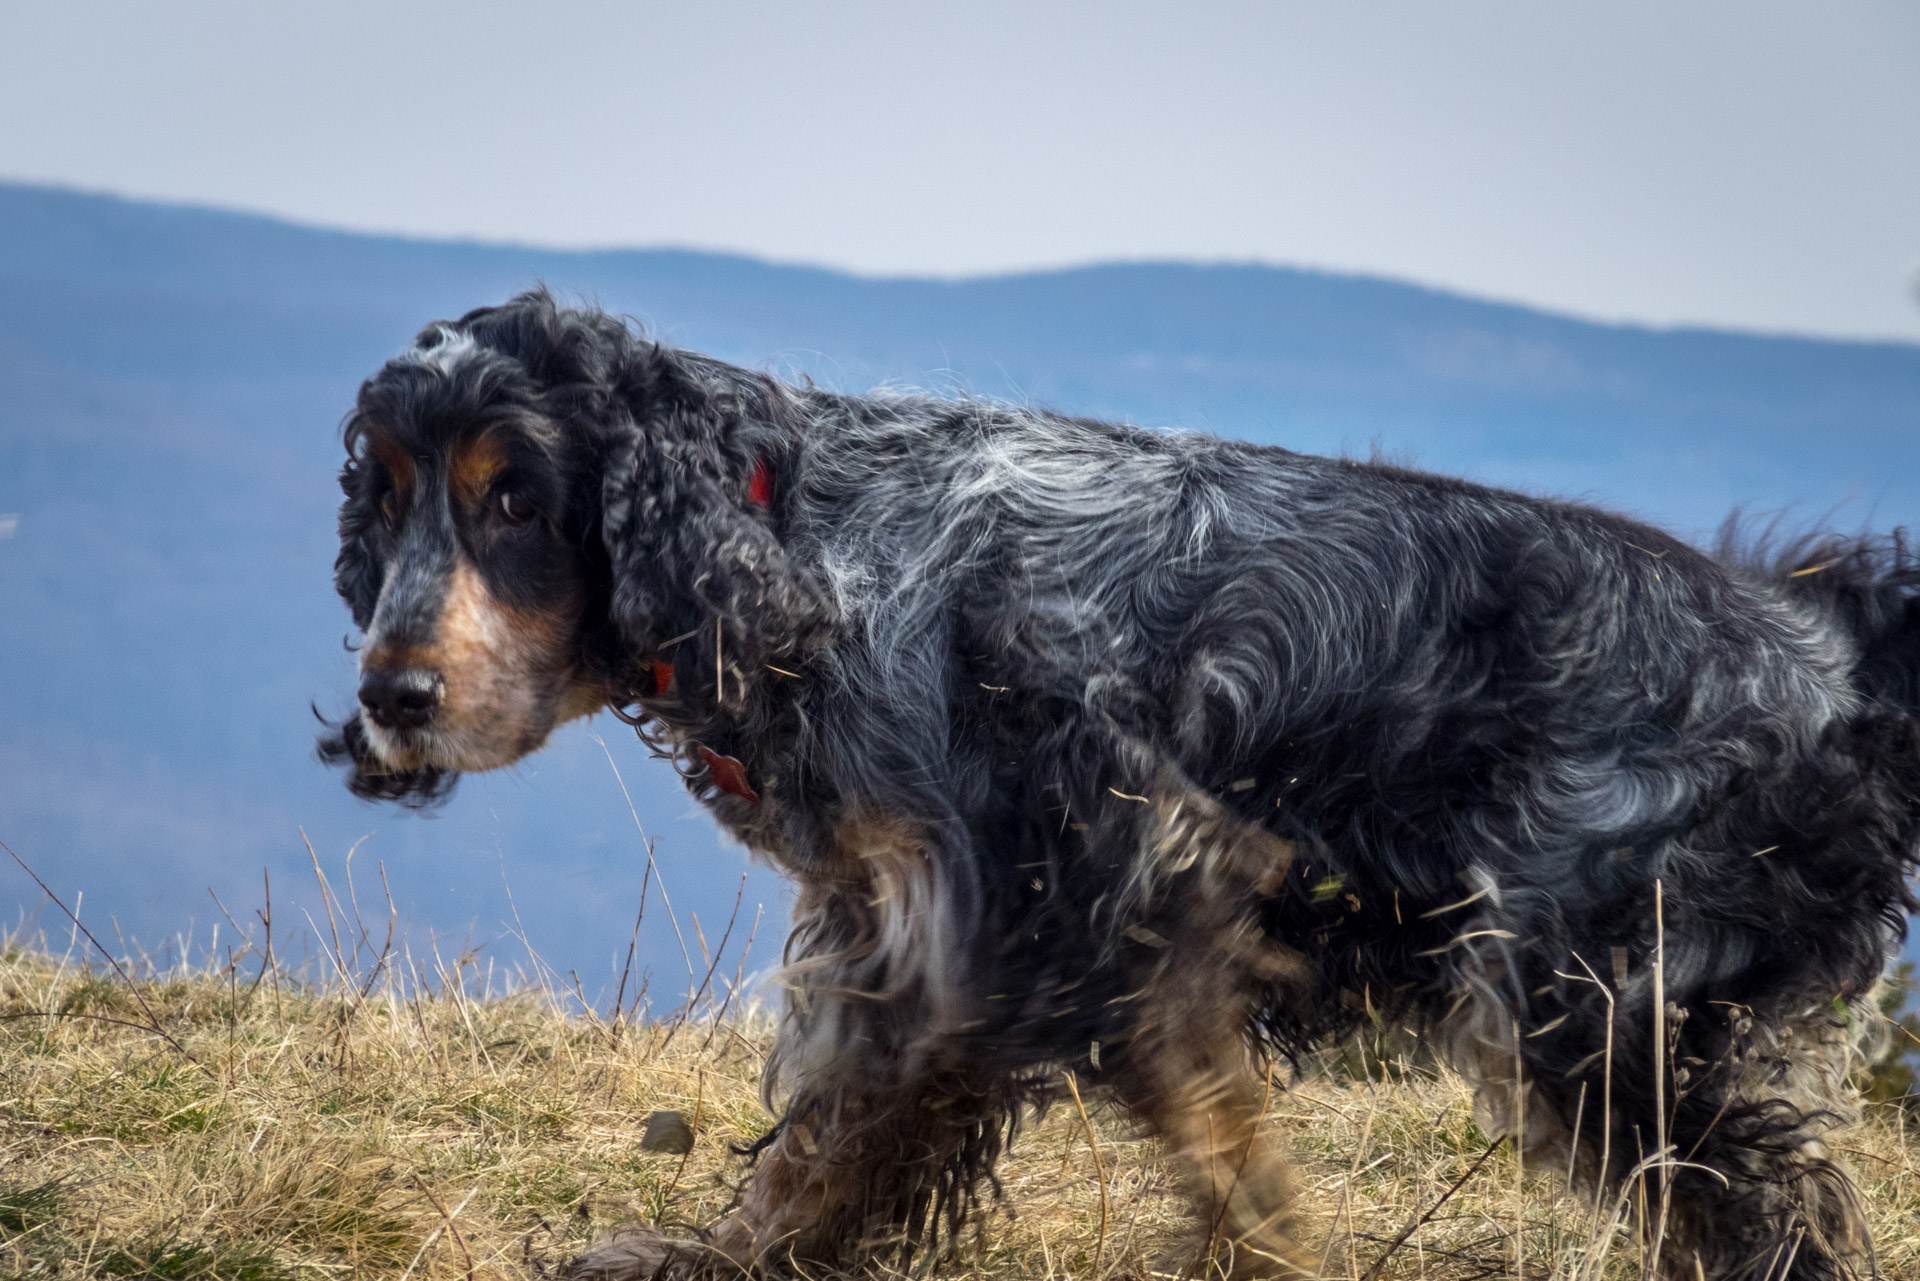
{"x":1762,"y":1196}
{"x":1748,"y":1189}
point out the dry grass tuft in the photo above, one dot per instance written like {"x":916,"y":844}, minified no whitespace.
{"x":401,"y":1121}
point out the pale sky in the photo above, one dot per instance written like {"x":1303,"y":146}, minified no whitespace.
{"x":1753,"y":163}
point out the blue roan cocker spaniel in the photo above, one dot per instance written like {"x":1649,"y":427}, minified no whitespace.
{"x":1152,"y":756}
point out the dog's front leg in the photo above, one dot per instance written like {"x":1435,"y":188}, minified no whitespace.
{"x":1185,"y":1068}
{"x":861,"y":1167}
{"x":1189,"y":1079}
{"x":867,"y":1166}
{"x":889,"y":1124}
{"x":815,"y":1197}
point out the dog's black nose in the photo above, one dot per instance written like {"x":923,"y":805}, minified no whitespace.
{"x":405,"y":699}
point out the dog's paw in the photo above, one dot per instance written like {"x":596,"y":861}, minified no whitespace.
{"x":636,"y":1253}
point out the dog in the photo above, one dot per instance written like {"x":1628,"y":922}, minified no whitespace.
{"x":1153,"y":757}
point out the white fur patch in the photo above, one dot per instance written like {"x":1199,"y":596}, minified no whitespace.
{"x":444,"y":357}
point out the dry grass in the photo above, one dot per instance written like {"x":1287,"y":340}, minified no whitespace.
{"x":402,"y":1122}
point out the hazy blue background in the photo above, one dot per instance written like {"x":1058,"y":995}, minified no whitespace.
{"x":1733,"y":162}
{"x":1059,"y":204}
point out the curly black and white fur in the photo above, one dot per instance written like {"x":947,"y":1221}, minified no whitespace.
{"x":1142,"y":754}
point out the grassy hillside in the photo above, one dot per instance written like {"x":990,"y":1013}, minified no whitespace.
{"x":424,"y":1116}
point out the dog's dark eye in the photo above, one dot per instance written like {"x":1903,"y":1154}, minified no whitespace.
{"x":515,"y":509}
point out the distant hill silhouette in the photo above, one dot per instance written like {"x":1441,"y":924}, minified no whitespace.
{"x":171,"y":384}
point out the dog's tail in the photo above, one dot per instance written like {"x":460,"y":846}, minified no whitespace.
{"x":1870,"y":587}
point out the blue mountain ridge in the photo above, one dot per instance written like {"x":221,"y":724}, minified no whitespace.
{"x":171,"y":385}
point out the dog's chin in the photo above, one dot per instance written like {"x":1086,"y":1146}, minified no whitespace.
{"x":419,"y":767}
{"x":379,"y":768}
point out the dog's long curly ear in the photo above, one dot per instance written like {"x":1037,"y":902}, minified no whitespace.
{"x":687,"y":539}
{"x":356,"y":570}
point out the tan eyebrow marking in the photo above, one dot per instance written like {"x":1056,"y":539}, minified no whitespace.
{"x":472,"y":469}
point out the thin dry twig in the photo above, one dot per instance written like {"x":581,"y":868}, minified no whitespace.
{"x":687,"y":1011}
{"x":1426,"y":1216}
{"x":153,"y":1020}
{"x":673,"y":917}
{"x":693,"y":1131}
{"x":1099,"y":1171}
{"x":1660,"y":1074}
{"x":453,"y":1229}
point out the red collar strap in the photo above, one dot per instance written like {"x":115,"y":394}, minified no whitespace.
{"x":728,"y":774}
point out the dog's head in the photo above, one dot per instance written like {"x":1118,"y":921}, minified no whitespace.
{"x":536,"y":500}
